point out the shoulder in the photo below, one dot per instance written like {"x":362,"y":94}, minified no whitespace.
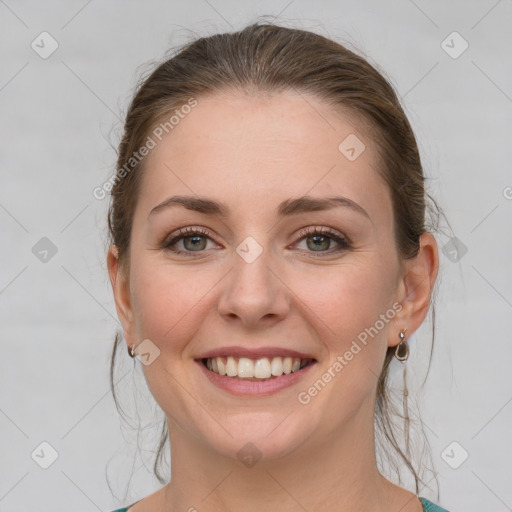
{"x":428,"y":506}
{"x":126,"y":509}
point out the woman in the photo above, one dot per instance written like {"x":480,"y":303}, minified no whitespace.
{"x":269,"y":258}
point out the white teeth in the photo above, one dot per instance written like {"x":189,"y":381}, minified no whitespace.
{"x":231,"y":367}
{"x":277,"y":366}
{"x":220,"y":366}
{"x":245,"y":368}
{"x":263,"y":368}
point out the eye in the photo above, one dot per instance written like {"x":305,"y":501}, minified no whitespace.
{"x":191,"y":238}
{"x":195,"y":240}
{"x":318,"y":239}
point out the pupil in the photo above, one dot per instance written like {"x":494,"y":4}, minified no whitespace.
{"x":195,"y":241}
{"x":317,"y":239}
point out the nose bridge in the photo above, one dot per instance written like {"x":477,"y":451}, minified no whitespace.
{"x":253,"y":291}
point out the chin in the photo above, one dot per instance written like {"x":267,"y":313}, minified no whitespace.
{"x":259,"y":437}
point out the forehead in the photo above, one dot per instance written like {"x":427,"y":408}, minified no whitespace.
{"x":257,"y":150}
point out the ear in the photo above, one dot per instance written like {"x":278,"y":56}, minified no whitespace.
{"x":121,"y":288}
{"x":415,"y":288}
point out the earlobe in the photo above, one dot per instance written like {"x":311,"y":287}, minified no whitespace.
{"x":416,"y":287}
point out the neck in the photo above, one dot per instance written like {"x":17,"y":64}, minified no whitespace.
{"x":336,"y":473}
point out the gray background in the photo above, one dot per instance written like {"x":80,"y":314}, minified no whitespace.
{"x":61,"y":114}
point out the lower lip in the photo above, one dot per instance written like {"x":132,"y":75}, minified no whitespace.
{"x":243,"y":387}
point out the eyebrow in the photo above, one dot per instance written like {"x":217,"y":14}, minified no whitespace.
{"x":304,"y":204}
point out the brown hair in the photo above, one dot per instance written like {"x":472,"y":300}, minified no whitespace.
{"x":267,"y":58}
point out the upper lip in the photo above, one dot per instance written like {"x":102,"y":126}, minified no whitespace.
{"x":254,"y":353}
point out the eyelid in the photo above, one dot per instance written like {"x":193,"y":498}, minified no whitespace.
{"x":324,"y":230}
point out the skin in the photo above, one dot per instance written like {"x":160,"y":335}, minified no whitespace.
{"x":252,"y":152}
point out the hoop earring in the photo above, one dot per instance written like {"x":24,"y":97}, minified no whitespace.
{"x":131,"y":352}
{"x":402,"y":349}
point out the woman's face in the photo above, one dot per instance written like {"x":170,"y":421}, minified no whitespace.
{"x":255,"y":281}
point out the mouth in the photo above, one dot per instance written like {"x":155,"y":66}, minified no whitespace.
{"x":255,"y":370}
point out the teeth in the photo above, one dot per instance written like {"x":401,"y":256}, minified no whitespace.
{"x":245,"y":368}
{"x":287,"y":365}
{"x":277,"y":366}
{"x":220,"y":366}
{"x":263,"y":368}
{"x":231,"y":367}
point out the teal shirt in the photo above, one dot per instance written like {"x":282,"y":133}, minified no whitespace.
{"x":428,"y":506}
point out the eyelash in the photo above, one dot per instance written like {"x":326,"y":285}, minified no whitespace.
{"x":312,"y":231}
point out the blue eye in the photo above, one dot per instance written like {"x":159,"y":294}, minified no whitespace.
{"x":195,"y":241}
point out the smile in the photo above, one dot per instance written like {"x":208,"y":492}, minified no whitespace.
{"x":262,"y":376}
{"x":264,"y":368}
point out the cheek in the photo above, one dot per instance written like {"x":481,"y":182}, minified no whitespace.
{"x":351,"y":296}
{"x":344,"y":308}
{"x":167,"y":300}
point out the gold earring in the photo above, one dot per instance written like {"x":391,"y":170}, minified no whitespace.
{"x":131,"y":351}
{"x":402,"y":349}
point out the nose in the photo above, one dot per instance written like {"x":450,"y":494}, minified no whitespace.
{"x":254,"y":294}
